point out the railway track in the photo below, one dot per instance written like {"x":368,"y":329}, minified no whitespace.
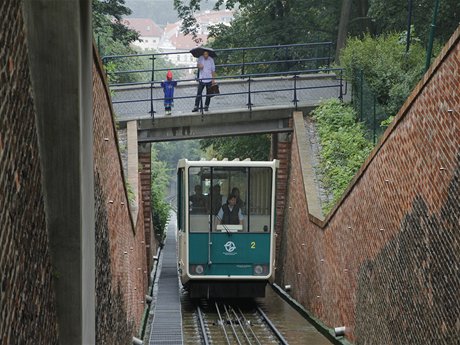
{"x":235,"y":323}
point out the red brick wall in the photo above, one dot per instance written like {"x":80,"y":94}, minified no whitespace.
{"x":281,"y":150}
{"x":385,"y":263}
{"x":121,"y":264}
{"x":145,"y":182}
{"x":27,"y":302}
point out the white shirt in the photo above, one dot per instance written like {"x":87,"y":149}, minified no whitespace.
{"x":205,"y":74}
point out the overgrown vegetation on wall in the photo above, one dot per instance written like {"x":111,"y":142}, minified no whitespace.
{"x":343,"y":147}
{"x":159,"y":190}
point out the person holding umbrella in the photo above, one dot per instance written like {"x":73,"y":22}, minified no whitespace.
{"x":206,"y":74}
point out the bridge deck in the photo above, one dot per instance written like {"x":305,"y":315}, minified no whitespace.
{"x":135,"y":102}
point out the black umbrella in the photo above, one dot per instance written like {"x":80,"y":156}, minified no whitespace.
{"x":198,"y":51}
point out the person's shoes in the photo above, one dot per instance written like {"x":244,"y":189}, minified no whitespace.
{"x":206,"y":108}
{"x":194,"y":110}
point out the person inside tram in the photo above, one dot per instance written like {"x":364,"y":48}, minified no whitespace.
{"x":216,"y":200}
{"x":239,"y":202}
{"x":198,"y":201}
{"x":230,"y":213}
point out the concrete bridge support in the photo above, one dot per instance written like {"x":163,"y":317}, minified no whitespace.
{"x":62,"y":84}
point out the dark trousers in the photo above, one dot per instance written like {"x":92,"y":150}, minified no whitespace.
{"x":201,"y":86}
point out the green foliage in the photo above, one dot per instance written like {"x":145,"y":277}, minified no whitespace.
{"x":255,"y":147}
{"x":131,"y":195}
{"x":391,"y":16}
{"x":108,"y":28}
{"x":114,"y":38}
{"x":344,"y":147}
{"x":389,"y":71}
{"x":261,"y":22}
{"x":387,"y":122}
{"x":159,"y":189}
{"x":171,"y":151}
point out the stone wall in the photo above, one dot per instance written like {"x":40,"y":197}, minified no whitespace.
{"x":27,"y":301}
{"x":385,"y":262}
{"x":121,"y":263}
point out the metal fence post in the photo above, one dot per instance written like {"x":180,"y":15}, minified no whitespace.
{"x":361,"y":73}
{"x":341,"y":86}
{"x":249,"y":94}
{"x":295,"y":100}
{"x":375,"y":125}
{"x":152,"y":79}
{"x":242,"y":67}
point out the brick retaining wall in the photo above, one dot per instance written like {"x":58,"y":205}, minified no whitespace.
{"x":27,"y":302}
{"x":386,"y":262}
{"x":121,"y":264}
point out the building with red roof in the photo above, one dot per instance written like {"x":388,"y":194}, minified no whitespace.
{"x":150,"y":33}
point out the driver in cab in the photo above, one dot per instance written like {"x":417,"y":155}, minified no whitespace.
{"x":230,"y":213}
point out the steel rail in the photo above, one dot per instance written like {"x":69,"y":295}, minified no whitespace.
{"x":249,"y":326}
{"x":272,"y":326}
{"x":231,"y":325}
{"x":241,"y":326}
{"x":202,"y":326}
{"x":222,"y":323}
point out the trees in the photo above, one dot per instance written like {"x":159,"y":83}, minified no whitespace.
{"x":390,"y":72}
{"x":255,"y":147}
{"x":265,"y":22}
{"x":391,"y":16}
{"x":111,"y":35}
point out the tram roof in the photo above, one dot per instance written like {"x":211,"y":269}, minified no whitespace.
{"x":184,"y":163}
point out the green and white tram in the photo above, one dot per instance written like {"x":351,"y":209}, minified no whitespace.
{"x":226,"y":219}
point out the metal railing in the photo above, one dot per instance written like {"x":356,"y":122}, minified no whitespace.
{"x":369,"y":111}
{"x":257,"y":70}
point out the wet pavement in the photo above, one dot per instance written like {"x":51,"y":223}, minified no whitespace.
{"x":294,"y":327}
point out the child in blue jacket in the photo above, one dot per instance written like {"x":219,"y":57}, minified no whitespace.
{"x":168,"y":89}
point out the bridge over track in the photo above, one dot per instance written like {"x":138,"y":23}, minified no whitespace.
{"x":255,"y":97}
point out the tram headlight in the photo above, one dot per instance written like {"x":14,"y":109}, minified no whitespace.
{"x":260,"y":270}
{"x":196,"y":269}
{"x":199,"y":269}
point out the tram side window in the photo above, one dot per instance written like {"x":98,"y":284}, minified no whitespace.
{"x":199,"y":185}
{"x":260,"y":199}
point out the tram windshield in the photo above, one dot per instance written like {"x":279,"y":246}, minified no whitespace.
{"x":230,"y":199}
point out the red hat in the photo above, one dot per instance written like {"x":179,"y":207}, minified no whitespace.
{"x":169,"y":75}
